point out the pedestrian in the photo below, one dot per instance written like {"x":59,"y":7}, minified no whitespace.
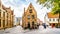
{"x":44,"y":25}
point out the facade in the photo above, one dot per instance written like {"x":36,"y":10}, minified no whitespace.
{"x":17,"y":21}
{"x":39,"y":21}
{"x":6,"y":17}
{"x":52,"y":19}
{"x":29,"y":18}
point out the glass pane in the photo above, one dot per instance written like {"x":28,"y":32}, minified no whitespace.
{"x":28,"y":17}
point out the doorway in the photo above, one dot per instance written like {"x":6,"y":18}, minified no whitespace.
{"x":33,"y":24}
{"x":28,"y":24}
{"x":3,"y":23}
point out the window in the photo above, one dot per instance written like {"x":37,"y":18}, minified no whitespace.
{"x":7,"y":22}
{"x":28,"y":17}
{"x":53,"y":19}
{"x":49,"y":19}
{"x":7,"y":15}
{"x":4,"y":14}
{"x":0,"y":14}
{"x":17,"y":19}
{"x":33,"y":16}
{"x":33,"y":23}
{"x":30,"y":10}
{"x":3,"y":23}
{"x":57,"y":19}
{"x":0,"y":22}
{"x":0,"y":10}
{"x":30,"y":6}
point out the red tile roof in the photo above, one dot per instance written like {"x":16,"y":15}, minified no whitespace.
{"x":50,"y":15}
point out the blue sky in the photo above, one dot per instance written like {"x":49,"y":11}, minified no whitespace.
{"x":18,"y":6}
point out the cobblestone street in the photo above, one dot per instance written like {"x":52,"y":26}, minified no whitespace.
{"x":41,"y":30}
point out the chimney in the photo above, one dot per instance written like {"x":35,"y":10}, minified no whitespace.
{"x":0,"y":4}
{"x":24,"y":10}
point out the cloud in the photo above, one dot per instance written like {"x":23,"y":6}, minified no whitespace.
{"x":18,"y":6}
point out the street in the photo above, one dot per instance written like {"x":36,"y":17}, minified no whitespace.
{"x":41,"y":30}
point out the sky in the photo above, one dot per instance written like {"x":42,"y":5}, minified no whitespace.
{"x":18,"y":7}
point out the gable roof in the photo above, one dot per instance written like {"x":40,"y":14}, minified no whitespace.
{"x":30,"y":5}
{"x":50,"y":15}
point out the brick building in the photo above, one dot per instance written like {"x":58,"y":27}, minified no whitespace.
{"x":29,"y":18}
{"x":6,"y":17}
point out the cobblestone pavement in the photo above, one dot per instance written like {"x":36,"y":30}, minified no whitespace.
{"x":41,"y":30}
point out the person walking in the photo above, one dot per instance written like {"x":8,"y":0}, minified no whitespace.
{"x":44,"y":25}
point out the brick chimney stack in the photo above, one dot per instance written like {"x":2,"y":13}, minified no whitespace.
{"x":0,"y":3}
{"x":24,"y":10}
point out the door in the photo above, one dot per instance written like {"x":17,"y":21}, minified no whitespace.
{"x":33,"y":24}
{"x":28,"y":24}
{"x":0,"y":22}
{"x":3,"y":23}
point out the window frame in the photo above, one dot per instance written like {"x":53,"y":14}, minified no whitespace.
{"x":50,"y":19}
{"x":30,"y":10}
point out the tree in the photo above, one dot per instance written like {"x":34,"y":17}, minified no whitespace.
{"x":54,"y":4}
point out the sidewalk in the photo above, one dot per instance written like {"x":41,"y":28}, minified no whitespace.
{"x":5,"y":31}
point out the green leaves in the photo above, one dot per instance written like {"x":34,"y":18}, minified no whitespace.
{"x":51,"y":3}
{"x":41,"y":1}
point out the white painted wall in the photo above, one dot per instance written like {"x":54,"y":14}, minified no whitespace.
{"x":56,"y":21}
{"x":47,"y":21}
